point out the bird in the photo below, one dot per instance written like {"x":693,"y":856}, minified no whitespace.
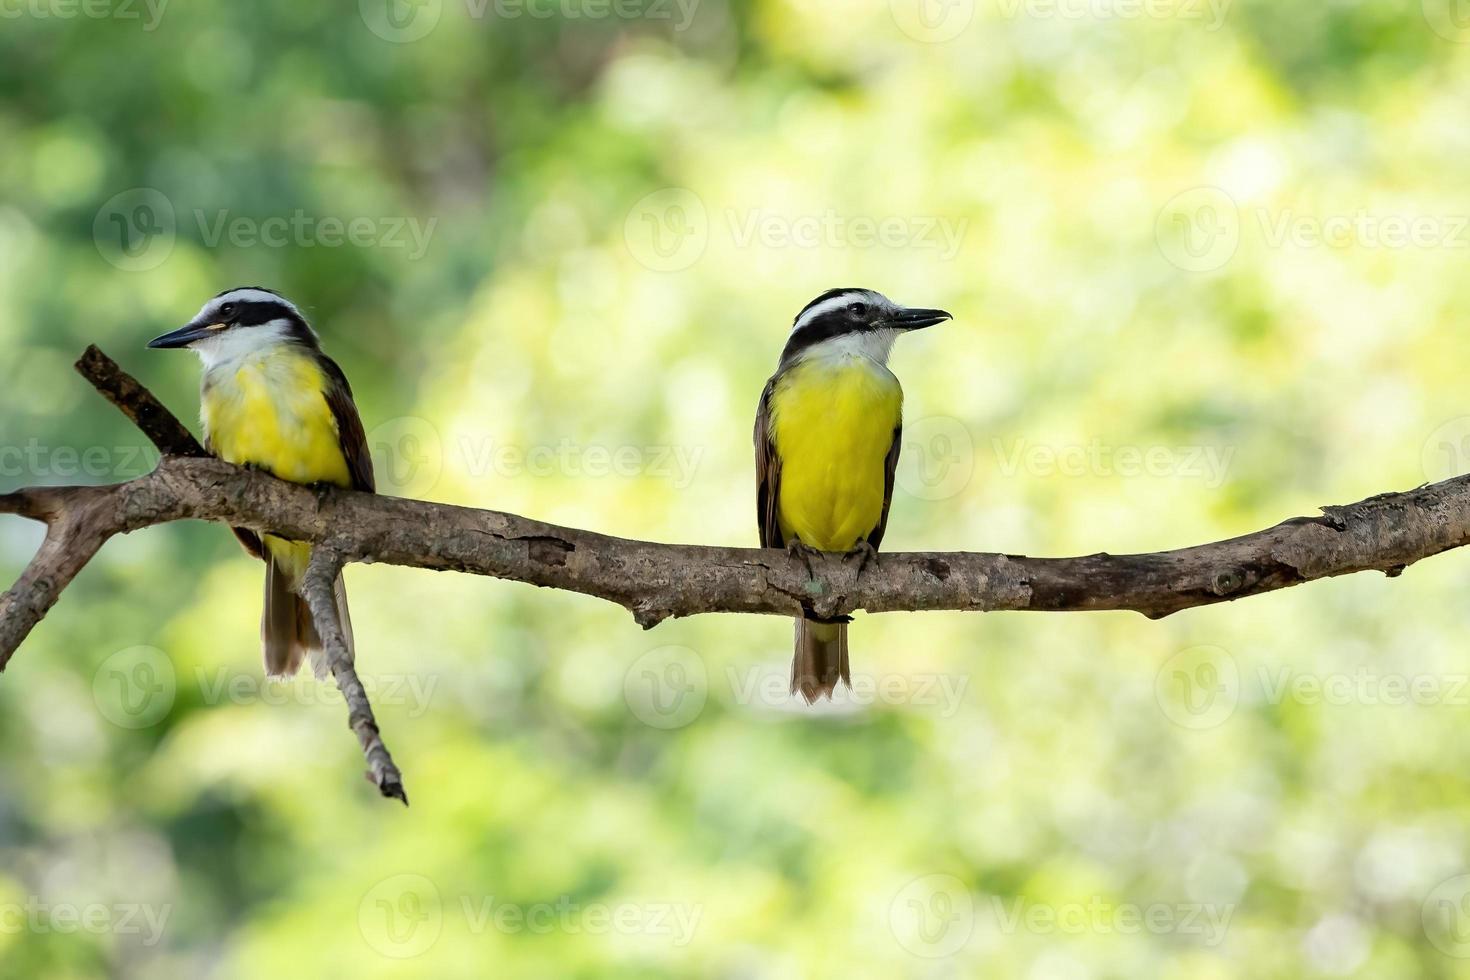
{"x":270,"y":399}
{"x":827,"y":436}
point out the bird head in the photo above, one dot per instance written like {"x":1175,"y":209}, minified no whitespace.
{"x":857,"y":321}
{"x":239,"y":321}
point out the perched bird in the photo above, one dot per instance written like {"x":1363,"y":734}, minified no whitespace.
{"x":270,"y":399}
{"x":827,"y":437}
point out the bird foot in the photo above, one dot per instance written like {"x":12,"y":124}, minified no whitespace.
{"x":865,"y":553}
{"x":799,"y":549}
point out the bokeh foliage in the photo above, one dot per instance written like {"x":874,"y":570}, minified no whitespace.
{"x":620,"y":214}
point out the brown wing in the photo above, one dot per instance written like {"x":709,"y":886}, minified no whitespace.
{"x":249,"y":540}
{"x":767,"y":474}
{"x":349,"y":427}
{"x":890,"y":469}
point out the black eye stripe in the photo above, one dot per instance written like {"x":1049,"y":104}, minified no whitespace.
{"x":250,"y":314}
{"x":833,"y":323}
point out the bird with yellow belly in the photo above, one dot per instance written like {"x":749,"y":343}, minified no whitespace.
{"x":827,"y":438}
{"x":267,"y":411}
{"x":833,"y":422}
{"x":271,"y":399}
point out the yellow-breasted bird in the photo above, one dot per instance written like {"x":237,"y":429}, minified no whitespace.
{"x":270,"y":399}
{"x":827,"y":437}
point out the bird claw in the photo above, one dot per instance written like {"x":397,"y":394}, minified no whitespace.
{"x":865,"y":553}
{"x":805,"y":552}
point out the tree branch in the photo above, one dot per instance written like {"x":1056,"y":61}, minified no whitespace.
{"x":319,"y":590}
{"x":74,"y":533}
{"x":145,"y":411}
{"x":655,"y":581}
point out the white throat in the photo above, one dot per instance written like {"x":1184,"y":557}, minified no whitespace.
{"x":233,"y":345}
{"x":871,"y":345}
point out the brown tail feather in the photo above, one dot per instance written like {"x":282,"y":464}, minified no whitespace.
{"x":820,"y":660}
{"x":280,"y":622}
{"x":287,"y":633}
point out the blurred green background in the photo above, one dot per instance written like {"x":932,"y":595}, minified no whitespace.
{"x":1207,"y":264}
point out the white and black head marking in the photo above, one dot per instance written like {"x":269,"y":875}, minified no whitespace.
{"x":853,"y":321}
{"x":238,"y":321}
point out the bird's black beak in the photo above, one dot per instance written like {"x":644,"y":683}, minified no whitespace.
{"x":918,"y":319}
{"x":184,"y":336}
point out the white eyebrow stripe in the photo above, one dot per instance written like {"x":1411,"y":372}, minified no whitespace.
{"x":827,"y":306}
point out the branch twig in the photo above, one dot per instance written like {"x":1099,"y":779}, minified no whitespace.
{"x":145,"y":411}
{"x":318,"y":588}
{"x":73,"y":536}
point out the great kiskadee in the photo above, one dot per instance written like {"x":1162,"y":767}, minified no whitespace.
{"x":271,"y":399}
{"x":827,"y":437}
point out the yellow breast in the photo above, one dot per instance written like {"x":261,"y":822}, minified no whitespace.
{"x":269,"y":409}
{"x":832,"y":422}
